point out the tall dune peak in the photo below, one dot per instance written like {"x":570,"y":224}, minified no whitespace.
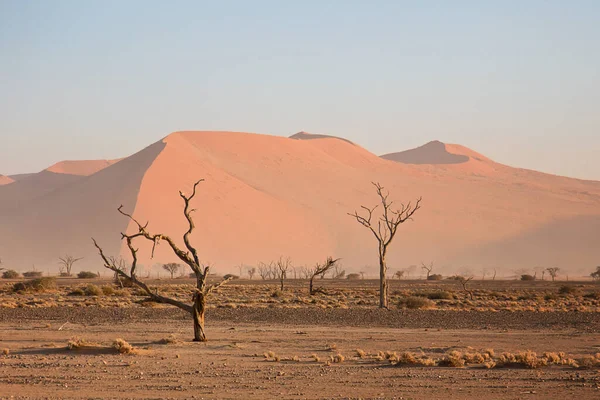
{"x":80,"y":167}
{"x":435,"y":153}
{"x":310,"y":136}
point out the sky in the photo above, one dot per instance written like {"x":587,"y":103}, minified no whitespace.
{"x":518,"y":81}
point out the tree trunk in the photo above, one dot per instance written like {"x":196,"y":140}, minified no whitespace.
{"x":383,"y":297}
{"x":198,"y":314}
{"x":311,"y":285}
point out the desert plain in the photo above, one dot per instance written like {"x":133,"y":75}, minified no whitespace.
{"x":513,"y":340}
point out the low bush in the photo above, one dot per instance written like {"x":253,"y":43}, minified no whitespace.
{"x":86,"y":275}
{"x":527,"y":277}
{"x":230,"y":276}
{"x":353,"y":277}
{"x":32,"y":274}
{"x":36,"y":285}
{"x":567,"y":289}
{"x":415,"y":302}
{"x":10,"y":274}
{"x":93,"y":290}
{"x":437,"y":295}
{"x":76,"y":292}
{"x":435,"y":277}
{"x":108,"y":290}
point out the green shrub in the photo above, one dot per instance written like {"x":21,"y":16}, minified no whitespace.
{"x":93,"y":290}
{"x":86,"y":275}
{"x":10,"y":274}
{"x":32,"y":274}
{"x":36,"y":285}
{"x":415,"y":302}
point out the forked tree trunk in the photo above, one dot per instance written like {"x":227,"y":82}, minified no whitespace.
{"x":383,"y":297}
{"x":198,"y":314}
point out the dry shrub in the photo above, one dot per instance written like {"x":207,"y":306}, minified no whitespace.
{"x":408,"y":358}
{"x":5,"y":352}
{"x":331,"y":347}
{"x":567,"y":289}
{"x":32,"y":274}
{"x":76,"y":292}
{"x":108,"y":290}
{"x":10,"y":274}
{"x":76,"y":343}
{"x":527,"y":359}
{"x":277,"y":293}
{"x":440,"y":295}
{"x":87,"y":275}
{"x":415,"y":302}
{"x":36,"y":285}
{"x":93,"y":290}
{"x":171,"y":339}
{"x":315,"y":357}
{"x":338,"y":358}
{"x":123,"y":347}
{"x":360,"y":353}
{"x":453,"y":359}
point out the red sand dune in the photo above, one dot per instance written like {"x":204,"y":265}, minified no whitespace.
{"x":266,"y":196}
{"x":5,"y":180}
{"x":82,"y":168}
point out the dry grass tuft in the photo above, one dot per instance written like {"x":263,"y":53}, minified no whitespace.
{"x":5,"y":352}
{"x":77,"y":343}
{"x":315,"y":357}
{"x":360,"y":353}
{"x":453,"y":359}
{"x":171,"y":339}
{"x":338,"y":358}
{"x":123,"y":347}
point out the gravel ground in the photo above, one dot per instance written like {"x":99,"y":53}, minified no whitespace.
{"x":434,"y":319}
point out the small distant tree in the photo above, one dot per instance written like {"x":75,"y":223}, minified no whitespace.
{"x":427,"y":268}
{"x":251,"y":272}
{"x":399,"y":274}
{"x":553,"y":272}
{"x":283,"y":265}
{"x":338,"y":272}
{"x":171,"y":268}
{"x":67,"y":264}
{"x":10,"y":274}
{"x":189,"y":256}
{"x":318,"y":270}
{"x":464,"y":281}
{"x":596,"y":274}
{"x":384,"y":229}
{"x":264,"y":270}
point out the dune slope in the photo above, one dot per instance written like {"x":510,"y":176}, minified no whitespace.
{"x":267,"y":196}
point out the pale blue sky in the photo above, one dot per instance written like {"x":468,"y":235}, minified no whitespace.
{"x":518,"y":81}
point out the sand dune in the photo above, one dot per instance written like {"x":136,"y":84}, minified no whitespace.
{"x":82,"y":168}
{"x":5,"y":180}
{"x":266,"y":196}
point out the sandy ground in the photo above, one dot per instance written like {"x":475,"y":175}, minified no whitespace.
{"x":232,"y":364}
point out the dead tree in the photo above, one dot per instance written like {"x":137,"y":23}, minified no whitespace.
{"x":320,"y":269}
{"x":251,"y":272}
{"x":553,"y":271}
{"x":67,"y":264}
{"x":463,"y":282}
{"x":427,"y":268}
{"x":384,"y":229}
{"x":189,"y":256}
{"x":283,"y":266}
{"x":171,"y":268}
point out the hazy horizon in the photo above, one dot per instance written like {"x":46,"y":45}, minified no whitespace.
{"x":517,"y":82}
